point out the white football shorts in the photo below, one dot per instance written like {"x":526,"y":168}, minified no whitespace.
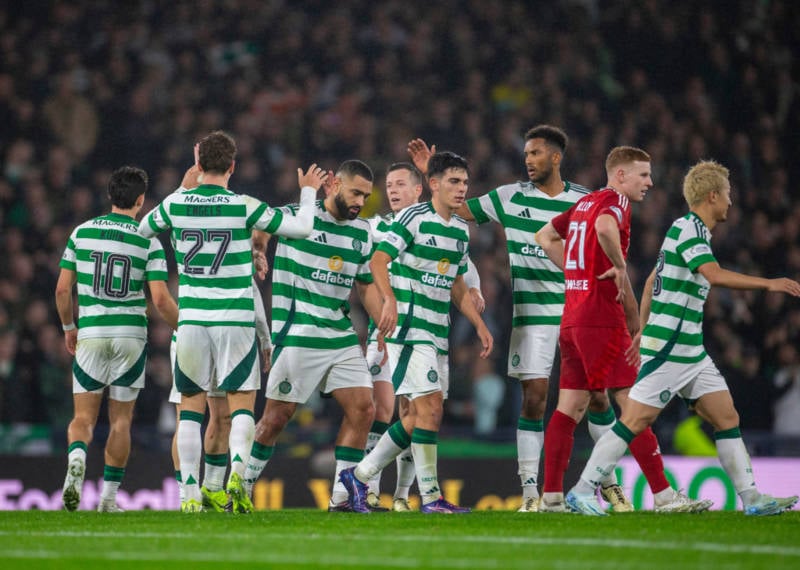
{"x":118,"y":363}
{"x":418,"y":369}
{"x":297,"y":372}
{"x":216,"y":358}
{"x":660,"y":381}
{"x":531,"y":351}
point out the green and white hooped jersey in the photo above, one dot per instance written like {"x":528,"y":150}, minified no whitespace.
{"x":379,"y":226}
{"x":210,"y":229}
{"x":522,"y":209}
{"x":428,"y":253}
{"x":674,"y":330}
{"x":112,"y":262}
{"x":312,"y":279}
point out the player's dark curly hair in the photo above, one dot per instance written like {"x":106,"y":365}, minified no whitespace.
{"x":126,"y":184}
{"x":353,"y":168}
{"x":438,"y":163}
{"x":551,"y":135}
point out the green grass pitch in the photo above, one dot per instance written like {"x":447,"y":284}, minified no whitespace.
{"x":302,"y":538}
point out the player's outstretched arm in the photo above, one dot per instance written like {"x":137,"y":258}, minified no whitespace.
{"x":301,"y":224}
{"x":719,"y":277}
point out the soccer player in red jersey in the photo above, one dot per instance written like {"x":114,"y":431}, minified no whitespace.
{"x":599,"y":337}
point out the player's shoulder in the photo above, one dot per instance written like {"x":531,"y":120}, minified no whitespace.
{"x":375,"y":221}
{"x":690,"y":226}
{"x":518,"y":187}
{"x":576,"y":189}
{"x":413,"y":213}
{"x":363,"y":224}
{"x":459,"y":222}
{"x":609,"y":197}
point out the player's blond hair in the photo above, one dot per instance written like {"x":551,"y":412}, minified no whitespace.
{"x":702,"y":179}
{"x":624,"y":155}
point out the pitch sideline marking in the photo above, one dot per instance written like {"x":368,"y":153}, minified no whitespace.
{"x":520,"y":540}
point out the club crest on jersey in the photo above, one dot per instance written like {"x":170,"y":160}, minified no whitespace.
{"x":358,"y":245}
{"x":335,"y":263}
{"x":433,"y":376}
{"x":443,"y":265}
{"x":460,"y":246}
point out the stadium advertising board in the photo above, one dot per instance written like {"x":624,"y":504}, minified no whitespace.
{"x":35,"y":482}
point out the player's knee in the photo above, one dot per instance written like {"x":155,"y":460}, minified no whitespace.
{"x":83,"y":423}
{"x":725,"y":420}
{"x":599,"y":402}
{"x":383,"y":413}
{"x":274,"y":419}
{"x":121,"y":424}
{"x":362,"y":412}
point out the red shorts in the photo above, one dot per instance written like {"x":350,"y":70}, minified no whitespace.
{"x":593,"y":358}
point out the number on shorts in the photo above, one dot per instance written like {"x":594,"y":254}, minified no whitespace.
{"x":223,"y":237}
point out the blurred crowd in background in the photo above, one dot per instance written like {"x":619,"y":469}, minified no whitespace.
{"x":86,"y":87}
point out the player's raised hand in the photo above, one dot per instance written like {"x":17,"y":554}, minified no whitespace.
{"x":784,"y":285}
{"x":313,"y":177}
{"x":420,"y":153}
{"x":191,"y":178}
{"x":618,"y":276}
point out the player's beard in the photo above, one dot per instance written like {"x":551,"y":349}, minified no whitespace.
{"x":542,"y":176}
{"x":344,"y":210}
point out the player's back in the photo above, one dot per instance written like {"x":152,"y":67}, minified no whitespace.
{"x":588,"y":300}
{"x":211,"y":229}
{"x":112,"y":262}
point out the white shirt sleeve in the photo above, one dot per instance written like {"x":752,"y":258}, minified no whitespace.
{"x":472,"y":278}
{"x":300,"y":225}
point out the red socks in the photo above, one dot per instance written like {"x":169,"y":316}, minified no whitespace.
{"x":644,"y":449}
{"x":558,"y":442}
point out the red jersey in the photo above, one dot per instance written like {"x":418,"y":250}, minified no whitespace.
{"x":588,"y":301}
